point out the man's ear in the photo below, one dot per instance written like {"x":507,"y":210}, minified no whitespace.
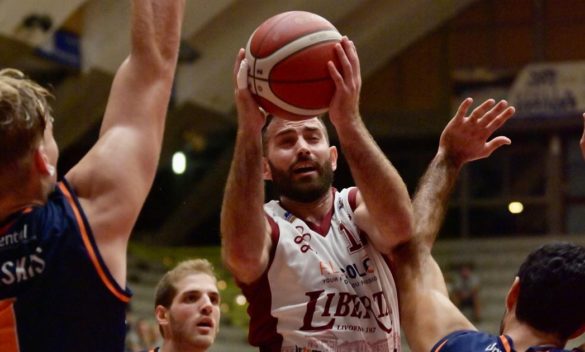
{"x":267,"y":173}
{"x":42,"y":162}
{"x":333,"y":157}
{"x":161,"y":315}
{"x":512,"y":297}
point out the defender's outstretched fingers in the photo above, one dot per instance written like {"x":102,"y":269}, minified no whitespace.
{"x":495,"y":143}
{"x":479,"y":111}
{"x":501,"y":119}
{"x":463,"y":108}
{"x":494,"y":112}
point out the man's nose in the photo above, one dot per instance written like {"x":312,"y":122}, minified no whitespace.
{"x":303,"y":147}
{"x":207,"y":306}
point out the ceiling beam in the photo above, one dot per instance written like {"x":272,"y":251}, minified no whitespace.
{"x":383,"y":28}
{"x":79,"y":105}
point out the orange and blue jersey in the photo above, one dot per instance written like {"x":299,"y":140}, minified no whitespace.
{"x":56,"y":293}
{"x":471,"y":341}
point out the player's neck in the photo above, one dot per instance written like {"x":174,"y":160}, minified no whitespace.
{"x":525,"y":336}
{"x":16,"y":201}
{"x":309,"y":211}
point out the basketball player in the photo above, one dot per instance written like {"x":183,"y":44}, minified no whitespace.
{"x":544,"y":306}
{"x":306,"y":262}
{"x":187,"y":307}
{"x":63,"y":245}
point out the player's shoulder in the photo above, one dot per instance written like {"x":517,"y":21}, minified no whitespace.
{"x":471,"y":340}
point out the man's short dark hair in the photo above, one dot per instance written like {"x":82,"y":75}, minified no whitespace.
{"x":552,"y":289}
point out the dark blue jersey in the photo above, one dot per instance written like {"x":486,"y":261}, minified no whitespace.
{"x":56,"y":293}
{"x":476,"y":341}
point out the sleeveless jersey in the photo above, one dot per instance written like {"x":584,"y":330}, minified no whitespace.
{"x":56,"y":293}
{"x":477,"y":341}
{"x":323,"y":289}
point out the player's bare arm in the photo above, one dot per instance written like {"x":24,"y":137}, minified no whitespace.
{"x":426,"y":312}
{"x":114,"y":178}
{"x":244,"y":228}
{"x":373,"y":174}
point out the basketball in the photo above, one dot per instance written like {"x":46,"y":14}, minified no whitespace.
{"x":287,"y":57}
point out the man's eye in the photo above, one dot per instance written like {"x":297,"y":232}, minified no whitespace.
{"x":191,"y":297}
{"x":287,"y":142}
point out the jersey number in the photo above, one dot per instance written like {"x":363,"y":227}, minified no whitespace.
{"x":354,"y":244}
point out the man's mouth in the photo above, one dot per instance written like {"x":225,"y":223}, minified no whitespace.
{"x":304,"y":168}
{"x":205,"y":323}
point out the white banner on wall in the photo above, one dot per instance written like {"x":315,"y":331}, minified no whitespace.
{"x":549,"y":90}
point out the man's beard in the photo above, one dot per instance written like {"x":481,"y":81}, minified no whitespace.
{"x":302,"y":190}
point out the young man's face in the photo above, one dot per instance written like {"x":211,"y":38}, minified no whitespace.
{"x":300,"y":161}
{"x":194,"y":313}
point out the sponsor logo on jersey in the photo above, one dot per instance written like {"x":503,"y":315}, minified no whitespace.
{"x":22,"y":269}
{"x":493,"y":348}
{"x":345,"y":304}
{"x":351,"y":270}
{"x":303,"y":239}
{"x":16,"y":238}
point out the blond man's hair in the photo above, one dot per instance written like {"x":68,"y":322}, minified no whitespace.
{"x":24,"y":113}
{"x":166,"y":290}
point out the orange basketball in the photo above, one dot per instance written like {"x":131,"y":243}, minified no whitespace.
{"x":287,"y":56}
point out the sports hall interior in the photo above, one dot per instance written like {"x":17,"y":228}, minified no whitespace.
{"x":419,"y":60}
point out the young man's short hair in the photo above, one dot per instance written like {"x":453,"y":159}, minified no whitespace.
{"x":552,"y":289}
{"x":165,"y":289}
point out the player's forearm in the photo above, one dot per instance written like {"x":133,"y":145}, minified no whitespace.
{"x":380,"y":185}
{"x":142,"y":85}
{"x":243,"y":224}
{"x":431,"y":198}
{"x":156,"y":35}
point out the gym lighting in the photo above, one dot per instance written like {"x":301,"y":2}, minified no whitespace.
{"x":179,"y":163}
{"x":515,"y":207}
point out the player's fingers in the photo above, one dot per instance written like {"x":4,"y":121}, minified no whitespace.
{"x":482,"y":109}
{"x":462,"y":110}
{"x":496,"y":143}
{"x":239,"y":57}
{"x":494,"y":112}
{"x":353,"y":57}
{"x":343,"y":59}
{"x":501,"y":119}
{"x":335,"y":75}
{"x":242,"y":76}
